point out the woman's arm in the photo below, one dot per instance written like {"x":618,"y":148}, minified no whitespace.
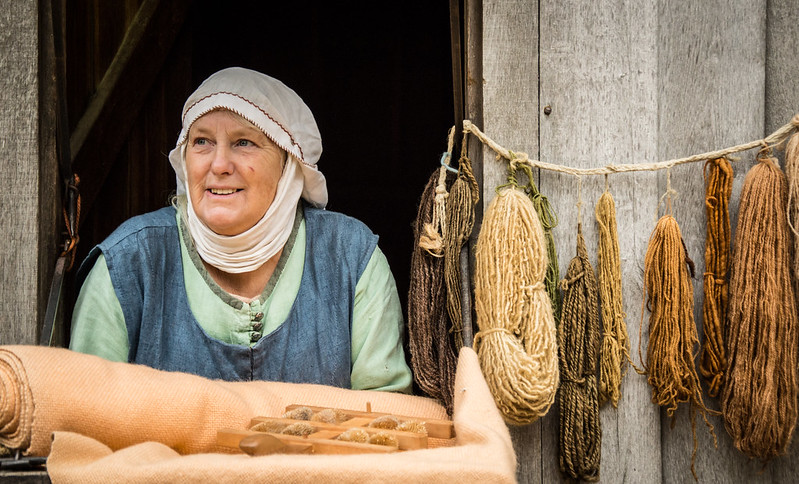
{"x":378,"y":359}
{"x":98,"y":325}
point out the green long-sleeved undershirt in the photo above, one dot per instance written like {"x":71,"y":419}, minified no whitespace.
{"x":378,"y":360}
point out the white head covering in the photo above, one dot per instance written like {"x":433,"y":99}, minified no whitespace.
{"x":285,"y":119}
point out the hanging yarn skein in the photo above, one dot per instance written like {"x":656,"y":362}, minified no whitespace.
{"x":578,"y":345}
{"x":713,"y":361}
{"x":516,"y":342}
{"x":672,"y":331}
{"x":549,"y":220}
{"x":615,"y":352}
{"x":463,"y":195}
{"x":433,"y":359}
{"x":760,"y":386}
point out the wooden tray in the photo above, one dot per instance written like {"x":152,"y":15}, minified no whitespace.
{"x":323,"y":439}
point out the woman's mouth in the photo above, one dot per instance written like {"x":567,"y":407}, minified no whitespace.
{"x":223,"y":191}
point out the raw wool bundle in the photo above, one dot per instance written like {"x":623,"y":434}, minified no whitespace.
{"x":760,"y":388}
{"x":549,"y":220}
{"x":615,"y":351}
{"x":463,"y":195}
{"x":578,"y":346}
{"x":672,"y":331}
{"x":433,"y":359}
{"x":718,"y":173}
{"x":792,"y":173}
{"x":516,"y":343}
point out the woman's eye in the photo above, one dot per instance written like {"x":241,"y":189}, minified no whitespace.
{"x":200,"y":142}
{"x":244,"y":142}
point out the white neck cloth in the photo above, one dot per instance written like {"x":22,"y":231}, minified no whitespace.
{"x":249,"y":250}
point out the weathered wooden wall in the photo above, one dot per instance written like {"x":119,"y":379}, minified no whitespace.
{"x":28,"y":201}
{"x":632,"y":82}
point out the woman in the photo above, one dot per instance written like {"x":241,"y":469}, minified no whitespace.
{"x":240,"y":279}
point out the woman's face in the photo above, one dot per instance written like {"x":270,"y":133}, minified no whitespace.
{"x":232,"y":171}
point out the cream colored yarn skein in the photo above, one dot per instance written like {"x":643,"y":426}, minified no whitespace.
{"x":517,"y":342}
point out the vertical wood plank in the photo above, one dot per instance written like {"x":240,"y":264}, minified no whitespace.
{"x":19,"y":165}
{"x":782,"y":103}
{"x":782,"y":67}
{"x":510,"y":106}
{"x":711,"y":87}
{"x":598,"y":77}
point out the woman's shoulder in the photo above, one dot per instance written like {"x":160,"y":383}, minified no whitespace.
{"x":159,"y":219}
{"x":331,"y":218}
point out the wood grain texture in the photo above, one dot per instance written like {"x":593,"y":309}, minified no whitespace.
{"x":598,"y":75}
{"x":782,"y":64}
{"x":19,"y":165}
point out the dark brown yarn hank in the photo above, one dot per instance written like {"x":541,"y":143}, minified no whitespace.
{"x":580,"y":440}
{"x":760,"y":387}
{"x":672,"y":332}
{"x":713,"y":361}
{"x":433,"y":359}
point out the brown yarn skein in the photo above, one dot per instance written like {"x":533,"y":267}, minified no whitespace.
{"x":578,"y":346}
{"x":672,"y":331}
{"x":760,"y":387}
{"x":433,"y":359}
{"x":615,"y":352}
{"x":713,"y":361}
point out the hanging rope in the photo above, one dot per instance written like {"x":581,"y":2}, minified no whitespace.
{"x":760,"y":387}
{"x":578,"y":347}
{"x":713,"y":362}
{"x":672,"y":332}
{"x":615,"y":351}
{"x":773,"y":139}
{"x":516,"y":344}
{"x":432,"y":356}
{"x":463,"y":195}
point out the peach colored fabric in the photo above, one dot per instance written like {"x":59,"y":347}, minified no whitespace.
{"x":116,"y":422}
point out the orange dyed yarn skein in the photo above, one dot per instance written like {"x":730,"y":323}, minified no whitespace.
{"x":713,"y":361}
{"x":672,"y":332}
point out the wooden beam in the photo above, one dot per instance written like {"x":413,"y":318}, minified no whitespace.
{"x":104,"y":126}
{"x":26,"y":153}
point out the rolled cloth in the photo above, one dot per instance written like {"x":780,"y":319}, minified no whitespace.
{"x":117,"y":422}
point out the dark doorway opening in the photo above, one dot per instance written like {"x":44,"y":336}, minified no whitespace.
{"x":377,"y":76}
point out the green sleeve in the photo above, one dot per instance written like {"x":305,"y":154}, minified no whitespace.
{"x":98,"y":325}
{"x":378,"y":359}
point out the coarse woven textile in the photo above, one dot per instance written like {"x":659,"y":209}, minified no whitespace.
{"x":118,"y":422}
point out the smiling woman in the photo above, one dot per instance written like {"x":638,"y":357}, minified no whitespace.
{"x":246,"y":276}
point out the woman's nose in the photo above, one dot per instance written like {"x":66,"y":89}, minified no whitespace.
{"x":222,"y":164}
